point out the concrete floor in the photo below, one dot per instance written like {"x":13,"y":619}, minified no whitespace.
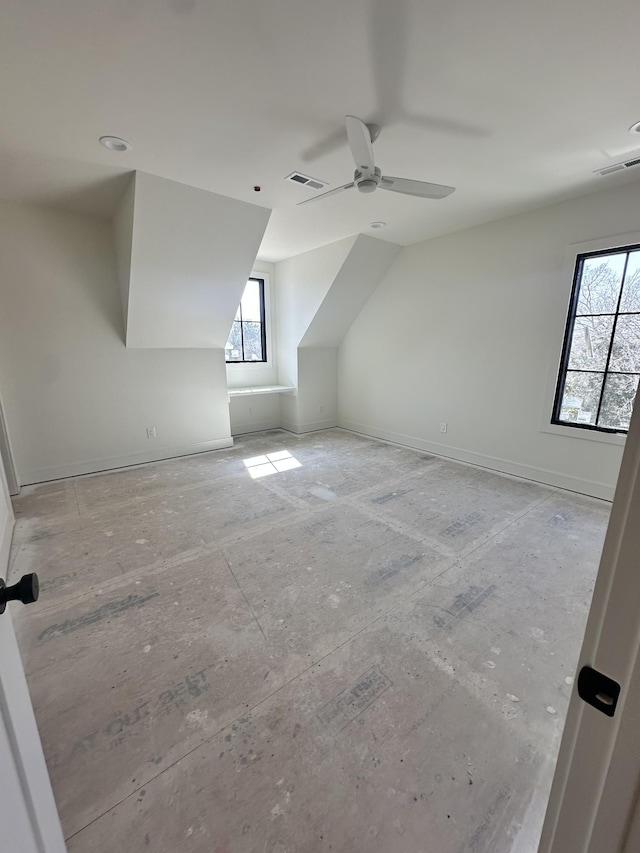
{"x":372,"y":651}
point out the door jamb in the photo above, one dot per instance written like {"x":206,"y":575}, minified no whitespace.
{"x":7,"y":456}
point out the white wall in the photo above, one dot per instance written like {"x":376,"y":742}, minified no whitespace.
{"x":302,"y":284}
{"x":363,"y":269}
{"x":317,"y":389}
{"x":254,"y":412}
{"x":191,"y":256}
{"x":75,"y":399}
{"x":320,"y":293}
{"x":467,"y":329}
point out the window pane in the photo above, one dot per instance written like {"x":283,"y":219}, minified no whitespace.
{"x":625,"y":354}
{"x":600,"y":284}
{"x":251,"y":302}
{"x":590,"y":343}
{"x":617,"y":401}
{"x":581,"y":397}
{"x":252,"y":342}
{"x":233,"y":349}
{"x":631,"y":290}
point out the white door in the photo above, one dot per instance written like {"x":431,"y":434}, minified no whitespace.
{"x":28,"y":818}
{"x":595,"y":804}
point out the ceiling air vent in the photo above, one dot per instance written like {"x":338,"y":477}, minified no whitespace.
{"x":618,"y":167}
{"x":305,"y":180}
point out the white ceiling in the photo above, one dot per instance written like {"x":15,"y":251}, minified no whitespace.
{"x":512,"y":101}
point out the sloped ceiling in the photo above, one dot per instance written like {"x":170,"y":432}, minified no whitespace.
{"x":362,"y":271}
{"x":184,"y":257}
{"x":303,"y":284}
{"x":321,"y":292}
{"x":516,"y":104}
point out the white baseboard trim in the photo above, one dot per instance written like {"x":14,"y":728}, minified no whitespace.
{"x":481,"y":460}
{"x":243,"y":429}
{"x":94,"y":466}
{"x":6,"y":535}
{"x":299,"y":429}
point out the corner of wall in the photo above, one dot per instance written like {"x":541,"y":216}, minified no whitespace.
{"x":123,"y":224}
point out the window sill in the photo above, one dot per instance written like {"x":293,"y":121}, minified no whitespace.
{"x":261,"y":389}
{"x":588,"y":434}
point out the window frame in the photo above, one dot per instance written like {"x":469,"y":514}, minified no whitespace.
{"x":605,"y":248}
{"x":263,"y":325}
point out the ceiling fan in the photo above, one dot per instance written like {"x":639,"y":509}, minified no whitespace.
{"x":368,"y":177}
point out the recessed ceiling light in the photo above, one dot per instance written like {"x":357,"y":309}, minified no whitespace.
{"x":114,"y":143}
{"x":635,"y":128}
{"x":377,"y":224}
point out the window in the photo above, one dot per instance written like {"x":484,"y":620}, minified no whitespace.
{"x":247,"y":340}
{"x":600,"y":362}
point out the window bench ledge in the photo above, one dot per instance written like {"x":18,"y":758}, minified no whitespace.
{"x":261,"y":389}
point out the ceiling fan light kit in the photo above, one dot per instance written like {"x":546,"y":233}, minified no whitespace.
{"x":368,"y":178}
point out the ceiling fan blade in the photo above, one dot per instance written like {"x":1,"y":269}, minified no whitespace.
{"x":417,"y":188}
{"x":324,"y":195}
{"x":388,"y":28}
{"x":325,"y":146}
{"x":360,"y":143}
{"x":438,"y":124}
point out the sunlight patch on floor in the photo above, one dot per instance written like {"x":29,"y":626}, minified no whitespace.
{"x":270,"y":463}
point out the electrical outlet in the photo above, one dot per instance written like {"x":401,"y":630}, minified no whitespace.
{"x":443,"y":426}
{"x":321,"y":409}
{"x":151,"y":432}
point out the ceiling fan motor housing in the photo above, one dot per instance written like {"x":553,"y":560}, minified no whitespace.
{"x":368,"y":185}
{"x":367,"y":180}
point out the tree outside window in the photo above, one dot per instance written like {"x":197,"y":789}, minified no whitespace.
{"x":600,"y":364}
{"x":247,"y":339}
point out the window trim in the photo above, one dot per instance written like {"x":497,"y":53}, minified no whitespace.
{"x":247,"y":374}
{"x":260,"y":278}
{"x":568,"y":337}
{"x":563,"y":295}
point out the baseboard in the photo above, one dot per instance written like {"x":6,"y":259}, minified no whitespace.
{"x":314,"y":426}
{"x":260,"y":426}
{"x":94,"y":466}
{"x":481,"y":460}
{"x":5,"y":543}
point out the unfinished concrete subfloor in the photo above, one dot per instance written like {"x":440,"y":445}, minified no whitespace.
{"x":372,"y":651}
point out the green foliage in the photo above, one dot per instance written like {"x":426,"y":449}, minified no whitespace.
{"x":615,"y":362}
